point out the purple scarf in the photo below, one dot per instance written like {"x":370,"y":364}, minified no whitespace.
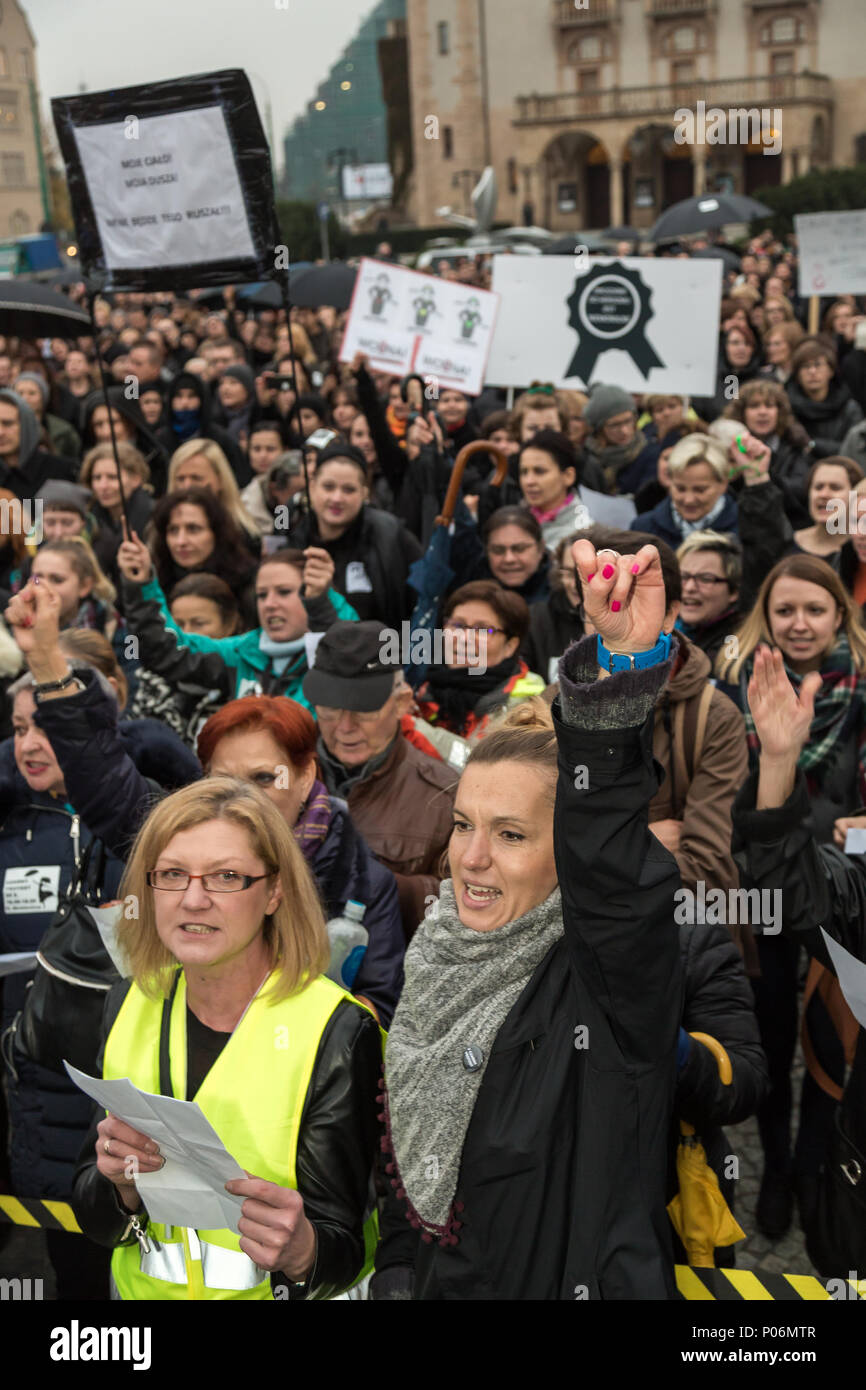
{"x":311,"y":826}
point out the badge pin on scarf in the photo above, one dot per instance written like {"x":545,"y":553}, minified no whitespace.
{"x":610,"y":308}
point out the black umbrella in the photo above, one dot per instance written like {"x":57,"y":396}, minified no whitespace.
{"x":708,"y":211}
{"x":35,"y":311}
{"x":331,"y":284}
{"x":568,"y":244}
{"x":719,"y":253}
{"x":623,"y":233}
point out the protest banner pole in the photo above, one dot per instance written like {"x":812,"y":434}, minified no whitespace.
{"x":286,"y":290}
{"x":814,"y":313}
{"x":104,"y":380}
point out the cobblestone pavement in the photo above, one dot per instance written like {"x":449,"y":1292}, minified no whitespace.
{"x":785,"y":1256}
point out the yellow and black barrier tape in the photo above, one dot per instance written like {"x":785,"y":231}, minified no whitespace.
{"x":30,"y":1211}
{"x":751,"y":1286}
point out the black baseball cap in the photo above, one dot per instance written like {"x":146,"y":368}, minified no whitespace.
{"x":349,"y":671}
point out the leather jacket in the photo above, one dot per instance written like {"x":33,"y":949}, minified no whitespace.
{"x":337,"y":1144}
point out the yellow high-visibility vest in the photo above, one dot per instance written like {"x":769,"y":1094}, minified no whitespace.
{"x":253,"y":1096}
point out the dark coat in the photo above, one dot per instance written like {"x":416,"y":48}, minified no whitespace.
{"x":563,"y":1168}
{"x":553,"y":626}
{"x":139,"y":507}
{"x":828,"y":421}
{"x":384,"y":549}
{"x":345,"y":870}
{"x":778,"y":851}
{"x":207,"y":429}
{"x":660,"y":522}
{"x":47,"y":1115}
{"x":40,"y":468}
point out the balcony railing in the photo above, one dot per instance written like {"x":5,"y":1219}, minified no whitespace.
{"x":664,"y":100}
{"x":663,"y":9}
{"x":566,"y":14}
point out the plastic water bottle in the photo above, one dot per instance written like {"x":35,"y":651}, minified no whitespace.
{"x":348,"y":938}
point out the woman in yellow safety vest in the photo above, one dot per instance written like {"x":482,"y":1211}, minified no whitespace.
{"x":227,"y":1006}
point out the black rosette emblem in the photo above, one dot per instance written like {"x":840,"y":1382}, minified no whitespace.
{"x":610,"y":308}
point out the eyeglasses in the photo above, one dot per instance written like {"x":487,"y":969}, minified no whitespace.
{"x":703,"y":581}
{"x":497,"y":551}
{"x":220,"y":881}
{"x":455,"y":625}
{"x":326,"y":714}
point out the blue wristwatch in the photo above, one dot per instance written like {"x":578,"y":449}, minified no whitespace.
{"x":634,"y":661}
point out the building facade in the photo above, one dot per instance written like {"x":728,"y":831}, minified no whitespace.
{"x":23,"y":198}
{"x":581,"y":105}
{"x":346,"y":121}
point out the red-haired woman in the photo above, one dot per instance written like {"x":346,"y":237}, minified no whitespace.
{"x":271,"y":742}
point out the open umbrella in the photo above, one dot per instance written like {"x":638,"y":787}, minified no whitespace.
{"x":566,"y":245}
{"x":330,"y":284}
{"x":701,"y":1217}
{"x":707,"y":211}
{"x":35,"y":311}
{"x":718,"y":253}
{"x":431,"y":575}
{"x":623,"y":233}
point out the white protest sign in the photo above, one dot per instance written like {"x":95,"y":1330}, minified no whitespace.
{"x":851,"y":974}
{"x":171,"y":195}
{"x":832,"y":252}
{"x":643,"y":324}
{"x":408,"y":322}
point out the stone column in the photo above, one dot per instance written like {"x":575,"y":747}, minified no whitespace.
{"x":699,"y":169}
{"x":616,"y":192}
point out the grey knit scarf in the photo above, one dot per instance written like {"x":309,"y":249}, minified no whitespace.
{"x":460,"y":986}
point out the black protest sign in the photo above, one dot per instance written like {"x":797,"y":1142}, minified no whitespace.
{"x":171,"y":184}
{"x":610,"y":308}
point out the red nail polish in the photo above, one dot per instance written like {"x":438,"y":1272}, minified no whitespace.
{"x":615,"y":606}
{"x":607,"y":572}
{"x":635,"y":569}
{"x":591,"y":577}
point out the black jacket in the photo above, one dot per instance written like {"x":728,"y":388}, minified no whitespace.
{"x":777,"y":850}
{"x":139,"y":506}
{"x":41,"y":467}
{"x":563,"y":1169}
{"x":828,"y":421}
{"x":553,"y":626}
{"x":336,"y":1149}
{"x":767,"y":536}
{"x":371,"y":563}
{"x":207,"y":429}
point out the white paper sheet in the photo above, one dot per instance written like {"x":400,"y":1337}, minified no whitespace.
{"x":189,"y":1190}
{"x":855,"y":840}
{"x":16,"y":962}
{"x":851,"y":974}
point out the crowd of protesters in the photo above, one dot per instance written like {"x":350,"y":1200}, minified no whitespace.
{"x":205,"y":677}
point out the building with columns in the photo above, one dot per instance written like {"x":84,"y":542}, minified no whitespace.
{"x":23,"y":187}
{"x":579,"y":104}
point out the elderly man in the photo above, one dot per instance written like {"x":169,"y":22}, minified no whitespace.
{"x":399,"y":797}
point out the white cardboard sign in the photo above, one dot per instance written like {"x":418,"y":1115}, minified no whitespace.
{"x":408,"y":322}
{"x":643,"y":324}
{"x":171,"y":195}
{"x":832,"y":251}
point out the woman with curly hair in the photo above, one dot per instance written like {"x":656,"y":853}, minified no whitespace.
{"x":192,"y":532}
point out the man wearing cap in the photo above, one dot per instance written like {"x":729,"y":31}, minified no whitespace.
{"x":400,"y":798}
{"x":614,"y":444}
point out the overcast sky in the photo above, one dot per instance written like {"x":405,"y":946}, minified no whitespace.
{"x":106,"y":44}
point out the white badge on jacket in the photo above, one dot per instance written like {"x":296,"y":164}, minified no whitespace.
{"x":357,"y":578}
{"x":31,"y":889}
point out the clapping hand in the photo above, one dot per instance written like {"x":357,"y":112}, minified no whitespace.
{"x":782,"y":718}
{"x":623,"y":595}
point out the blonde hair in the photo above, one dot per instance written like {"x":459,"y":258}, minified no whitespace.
{"x":524,"y":734}
{"x":229,"y":494}
{"x":698,"y":448}
{"x":131,"y":461}
{"x":85,"y":564}
{"x":295,"y":932}
{"x":756,"y":628}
